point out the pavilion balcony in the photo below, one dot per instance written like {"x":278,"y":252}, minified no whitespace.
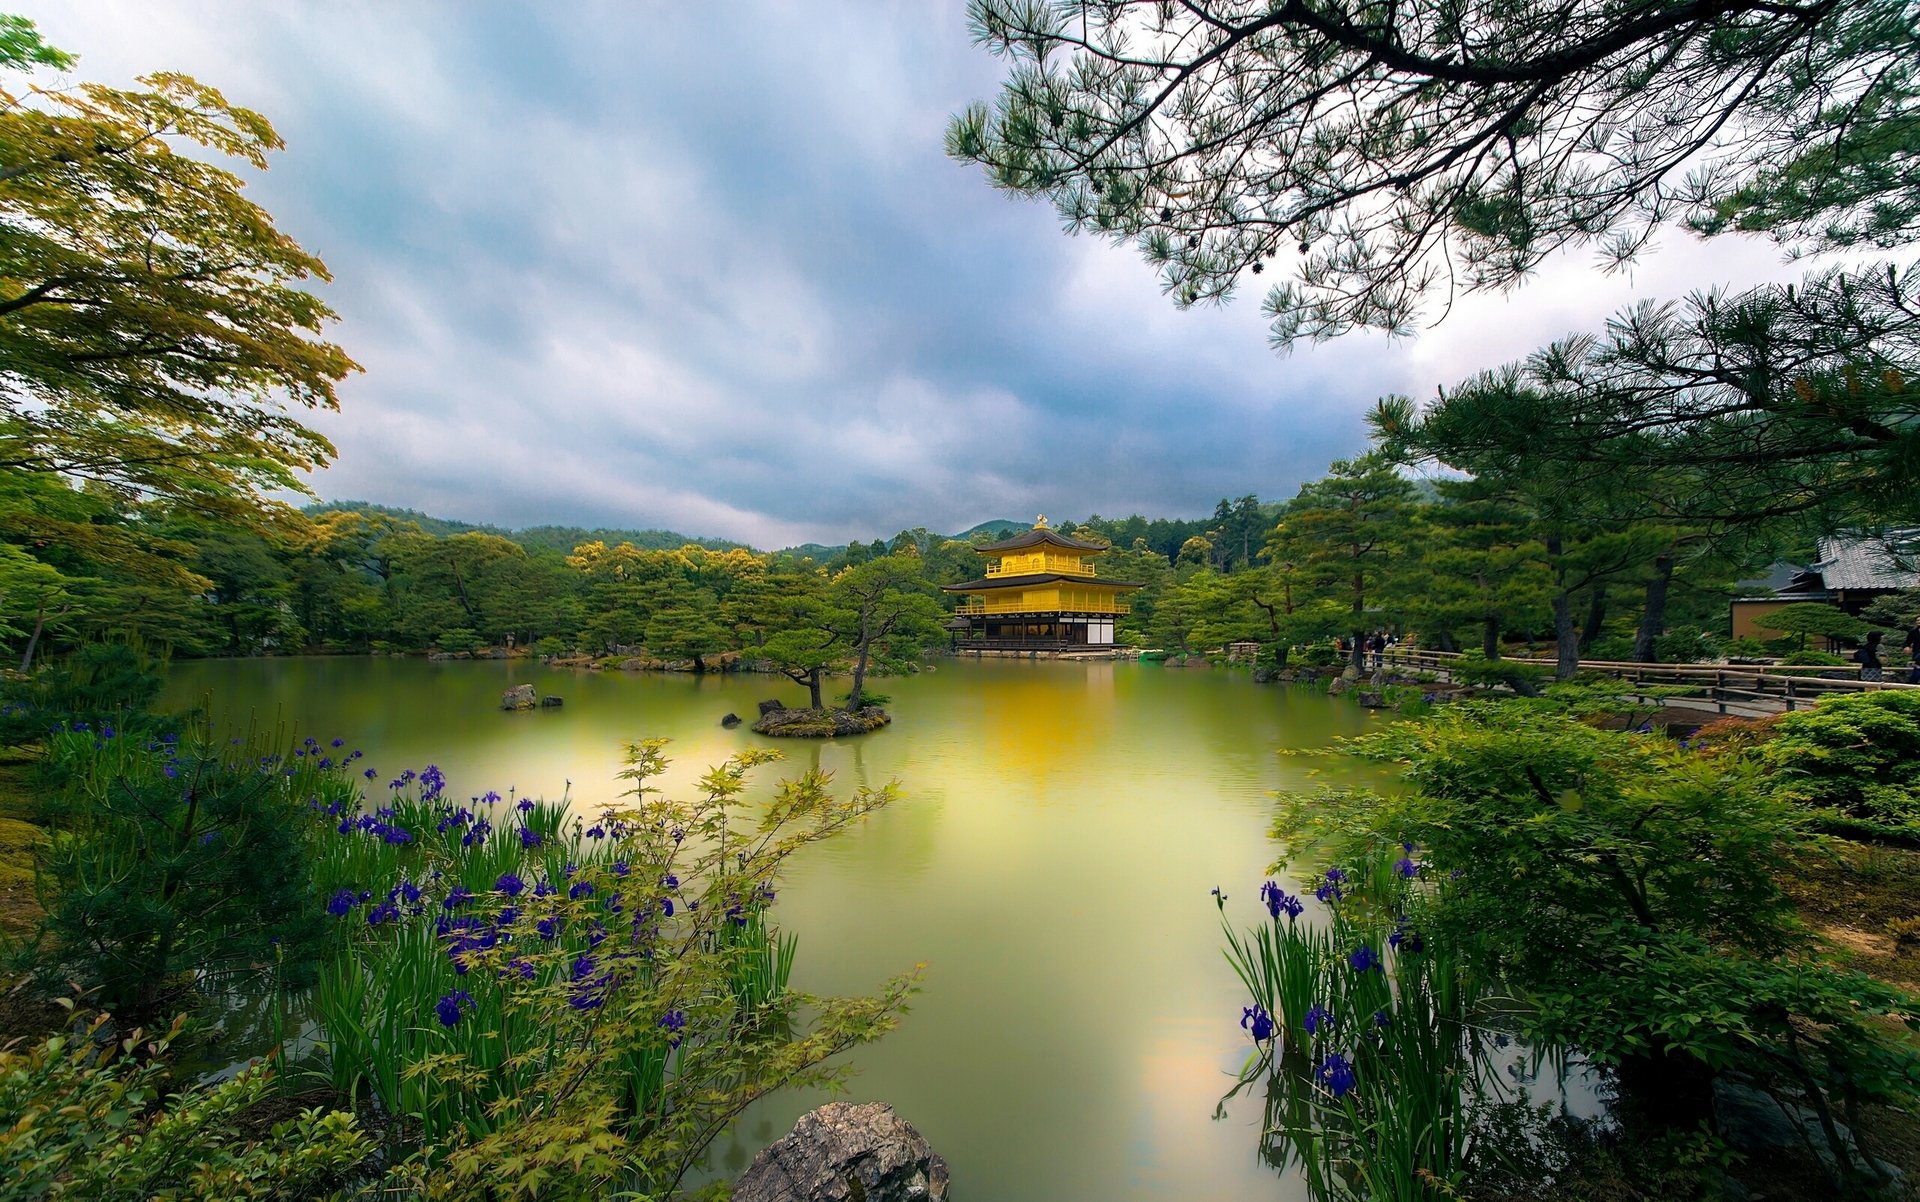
{"x":980,"y":605}
{"x":1030,"y":565}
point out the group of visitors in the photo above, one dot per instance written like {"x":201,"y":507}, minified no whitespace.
{"x":1374,"y":645}
{"x":1868,"y":657}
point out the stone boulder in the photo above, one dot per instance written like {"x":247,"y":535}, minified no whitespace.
{"x":519,"y":697}
{"x":1338,"y":685}
{"x":551,"y":703}
{"x":844,"y":1152}
{"x":821,"y":724}
{"x":730,"y":721}
{"x":768,"y":707}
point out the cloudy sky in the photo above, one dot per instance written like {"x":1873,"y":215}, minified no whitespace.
{"x":705,"y":267}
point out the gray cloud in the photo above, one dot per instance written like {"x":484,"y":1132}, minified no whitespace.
{"x":706,"y":267}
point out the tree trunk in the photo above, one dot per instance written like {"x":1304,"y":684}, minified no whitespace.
{"x":1566,"y":637}
{"x":1596,"y":616}
{"x":1490,"y":636}
{"x":813,"y":688}
{"x":1444,"y":641}
{"x":33,"y":641}
{"x":1359,"y":657}
{"x":1653,"y":620}
{"x":859,"y":675}
{"x":1280,"y":653}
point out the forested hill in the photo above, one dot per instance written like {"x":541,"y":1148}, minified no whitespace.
{"x":534,"y":538}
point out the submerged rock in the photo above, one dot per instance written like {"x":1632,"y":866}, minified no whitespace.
{"x":844,"y":1152}
{"x":820,"y":724}
{"x":519,"y":697}
{"x":730,"y":721}
{"x":551,"y":703}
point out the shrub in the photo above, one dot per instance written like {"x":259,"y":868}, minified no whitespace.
{"x":1523,"y":678}
{"x":169,"y":856}
{"x":1322,"y":655}
{"x":550,"y":645}
{"x":1610,"y":648}
{"x":456,"y":640}
{"x":1812,"y":658}
{"x":1686,"y":645}
{"x":1855,"y":760}
{"x":1626,"y":892}
{"x":99,"y":684}
{"x":82,"y":1120}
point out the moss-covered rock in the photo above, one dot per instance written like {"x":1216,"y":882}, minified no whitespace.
{"x":821,"y":724}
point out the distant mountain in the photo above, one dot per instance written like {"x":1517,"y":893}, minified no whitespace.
{"x":533,"y":538}
{"x":997,"y":527}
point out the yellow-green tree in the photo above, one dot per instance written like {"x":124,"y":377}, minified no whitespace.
{"x":158,"y":333}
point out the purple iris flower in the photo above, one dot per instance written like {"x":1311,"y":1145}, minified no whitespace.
{"x":1257,"y":1022}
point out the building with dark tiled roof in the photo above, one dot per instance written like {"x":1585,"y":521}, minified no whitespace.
{"x":1039,"y":593}
{"x":1850,"y":572}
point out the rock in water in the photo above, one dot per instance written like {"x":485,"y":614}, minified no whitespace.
{"x":768,"y":707}
{"x":844,"y":1152}
{"x":730,"y":721}
{"x":519,"y":697}
{"x":551,"y":702}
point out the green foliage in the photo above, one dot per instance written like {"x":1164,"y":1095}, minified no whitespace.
{"x":83,"y":1118}
{"x":584,"y":1012}
{"x":170,"y":857}
{"x":1215,"y":136}
{"x":1686,"y":645}
{"x":1627,"y":892}
{"x":1374,"y":1073}
{"x":100,"y":684}
{"x":456,"y":639}
{"x":21,"y":46}
{"x":1855,"y":759}
{"x":1481,"y":672}
{"x":1341,"y":537}
{"x":1812,"y":659}
{"x":1812,"y":617}
{"x":160,"y":333}
{"x":1817,"y":420}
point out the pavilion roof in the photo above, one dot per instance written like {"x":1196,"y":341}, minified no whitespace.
{"x":1035,"y":537}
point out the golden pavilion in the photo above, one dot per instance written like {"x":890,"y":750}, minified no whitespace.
{"x":1040,"y":593}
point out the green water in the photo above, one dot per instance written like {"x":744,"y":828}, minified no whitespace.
{"x":1051,"y":862}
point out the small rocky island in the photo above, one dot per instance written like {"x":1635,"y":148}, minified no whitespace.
{"x":779,"y":721}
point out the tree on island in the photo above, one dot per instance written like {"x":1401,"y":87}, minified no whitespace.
{"x":877,"y":613}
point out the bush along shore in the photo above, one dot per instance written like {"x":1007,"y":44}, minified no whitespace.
{"x":1546,"y":900}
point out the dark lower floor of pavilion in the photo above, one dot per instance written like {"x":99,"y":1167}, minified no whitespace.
{"x":1031,"y":632}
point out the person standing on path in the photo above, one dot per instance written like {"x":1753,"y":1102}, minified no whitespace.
{"x":1912,"y":648}
{"x":1868,"y":657}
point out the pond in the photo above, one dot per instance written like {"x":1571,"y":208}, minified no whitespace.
{"x":1051,"y":862}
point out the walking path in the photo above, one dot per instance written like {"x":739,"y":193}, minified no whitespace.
{"x":1747,"y":692}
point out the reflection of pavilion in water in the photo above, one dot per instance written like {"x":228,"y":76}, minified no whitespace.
{"x":1041,"y":724}
{"x":1041,"y":592}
